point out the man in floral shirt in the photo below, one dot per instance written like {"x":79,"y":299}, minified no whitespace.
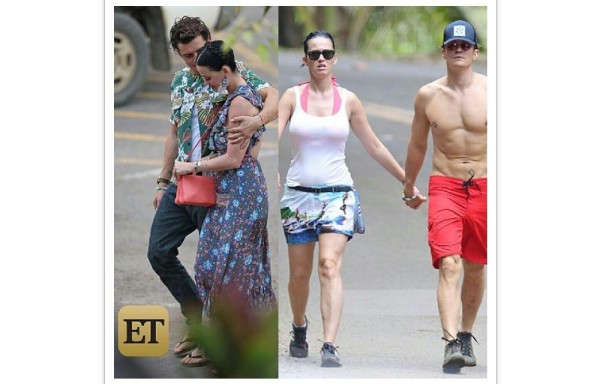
{"x":194,"y":107}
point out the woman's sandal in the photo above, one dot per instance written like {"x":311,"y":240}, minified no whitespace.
{"x":191,"y":346}
{"x":201,"y":358}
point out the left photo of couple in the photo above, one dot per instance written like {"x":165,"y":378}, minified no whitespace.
{"x":209,"y":264}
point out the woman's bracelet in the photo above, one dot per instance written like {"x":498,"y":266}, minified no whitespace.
{"x":159,"y":188}
{"x":261,"y":119}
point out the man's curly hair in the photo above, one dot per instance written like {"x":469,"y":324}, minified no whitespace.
{"x":187,"y":29}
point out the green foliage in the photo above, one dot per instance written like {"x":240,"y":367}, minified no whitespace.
{"x":305,"y":17}
{"x":240,"y":341}
{"x":399,"y":31}
{"x":407,"y":31}
{"x":249,"y":31}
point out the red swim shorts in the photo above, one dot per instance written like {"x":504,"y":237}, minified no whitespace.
{"x":457,"y":220}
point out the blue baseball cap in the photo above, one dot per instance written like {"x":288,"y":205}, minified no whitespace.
{"x":460,"y":30}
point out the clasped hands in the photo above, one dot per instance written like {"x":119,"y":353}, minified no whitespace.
{"x":415,"y":199}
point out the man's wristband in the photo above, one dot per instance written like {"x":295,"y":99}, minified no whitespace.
{"x":407,"y":199}
{"x":159,"y":188}
{"x":161,"y":180}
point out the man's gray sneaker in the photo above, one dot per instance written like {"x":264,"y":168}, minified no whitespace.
{"x":453,"y":358}
{"x":298,"y":344}
{"x":329,"y":356}
{"x":466,"y":348}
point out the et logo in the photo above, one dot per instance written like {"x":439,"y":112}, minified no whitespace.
{"x":143,"y":330}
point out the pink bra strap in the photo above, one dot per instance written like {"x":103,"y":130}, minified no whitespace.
{"x":337,"y":99}
{"x":304,"y":99}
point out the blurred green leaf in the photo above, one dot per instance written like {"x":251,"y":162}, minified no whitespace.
{"x":263,"y":52}
{"x":246,"y":31}
{"x":256,"y":27}
{"x":240,"y":340}
{"x":247,"y":36}
{"x":227,"y":44}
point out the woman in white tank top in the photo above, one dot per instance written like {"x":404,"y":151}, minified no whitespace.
{"x":320,"y":202}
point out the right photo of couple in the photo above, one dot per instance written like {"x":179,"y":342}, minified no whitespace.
{"x":336,"y":149}
{"x":361,"y":245}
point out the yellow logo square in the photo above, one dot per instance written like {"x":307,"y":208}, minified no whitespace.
{"x":143,"y":330}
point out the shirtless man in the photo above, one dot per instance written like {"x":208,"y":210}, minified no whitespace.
{"x":454,"y":107}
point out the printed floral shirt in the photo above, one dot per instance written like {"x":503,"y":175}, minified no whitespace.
{"x":188,"y":90}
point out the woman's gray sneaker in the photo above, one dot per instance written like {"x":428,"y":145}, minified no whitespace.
{"x":329,"y":356}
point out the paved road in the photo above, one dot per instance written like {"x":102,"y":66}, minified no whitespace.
{"x":390,"y":326}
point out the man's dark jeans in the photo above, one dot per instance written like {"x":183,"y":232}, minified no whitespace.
{"x":172,"y":223}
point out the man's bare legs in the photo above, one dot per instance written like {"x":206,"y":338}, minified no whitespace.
{"x":448,"y":294}
{"x":473,"y":287}
{"x":451,"y":299}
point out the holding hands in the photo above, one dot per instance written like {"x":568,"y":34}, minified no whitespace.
{"x":414,"y":199}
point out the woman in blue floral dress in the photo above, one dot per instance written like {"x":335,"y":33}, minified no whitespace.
{"x":233,"y":249}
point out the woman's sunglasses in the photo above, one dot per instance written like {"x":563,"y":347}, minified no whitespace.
{"x":327,"y":54}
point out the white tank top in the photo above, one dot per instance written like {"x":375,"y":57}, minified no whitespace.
{"x":318,"y":147}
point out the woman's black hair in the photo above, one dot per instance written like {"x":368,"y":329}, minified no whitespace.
{"x":214,"y":58}
{"x":314,"y":34}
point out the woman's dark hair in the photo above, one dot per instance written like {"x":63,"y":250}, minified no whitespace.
{"x":314,"y":34}
{"x":187,"y":29}
{"x":214,"y":58}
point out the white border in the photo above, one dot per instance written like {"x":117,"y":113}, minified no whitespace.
{"x":492,"y":245}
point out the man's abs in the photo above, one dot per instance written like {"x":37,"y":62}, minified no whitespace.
{"x":460,"y":154}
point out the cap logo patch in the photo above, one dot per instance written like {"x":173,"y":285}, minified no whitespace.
{"x":459,"y":30}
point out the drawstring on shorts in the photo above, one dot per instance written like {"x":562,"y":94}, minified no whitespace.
{"x":469,"y":182}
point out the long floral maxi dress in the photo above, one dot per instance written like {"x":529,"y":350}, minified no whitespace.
{"x":233,"y":249}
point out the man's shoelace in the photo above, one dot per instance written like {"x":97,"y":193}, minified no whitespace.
{"x":467,"y":347}
{"x":454,"y":343}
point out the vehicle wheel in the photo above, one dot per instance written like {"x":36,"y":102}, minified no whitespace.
{"x":131,"y":58}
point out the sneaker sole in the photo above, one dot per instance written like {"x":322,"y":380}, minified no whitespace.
{"x":330,"y":363}
{"x":470,"y":362}
{"x":454,"y":365}
{"x":298,"y":352}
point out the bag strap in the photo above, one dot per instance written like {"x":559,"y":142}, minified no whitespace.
{"x":202,"y":138}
